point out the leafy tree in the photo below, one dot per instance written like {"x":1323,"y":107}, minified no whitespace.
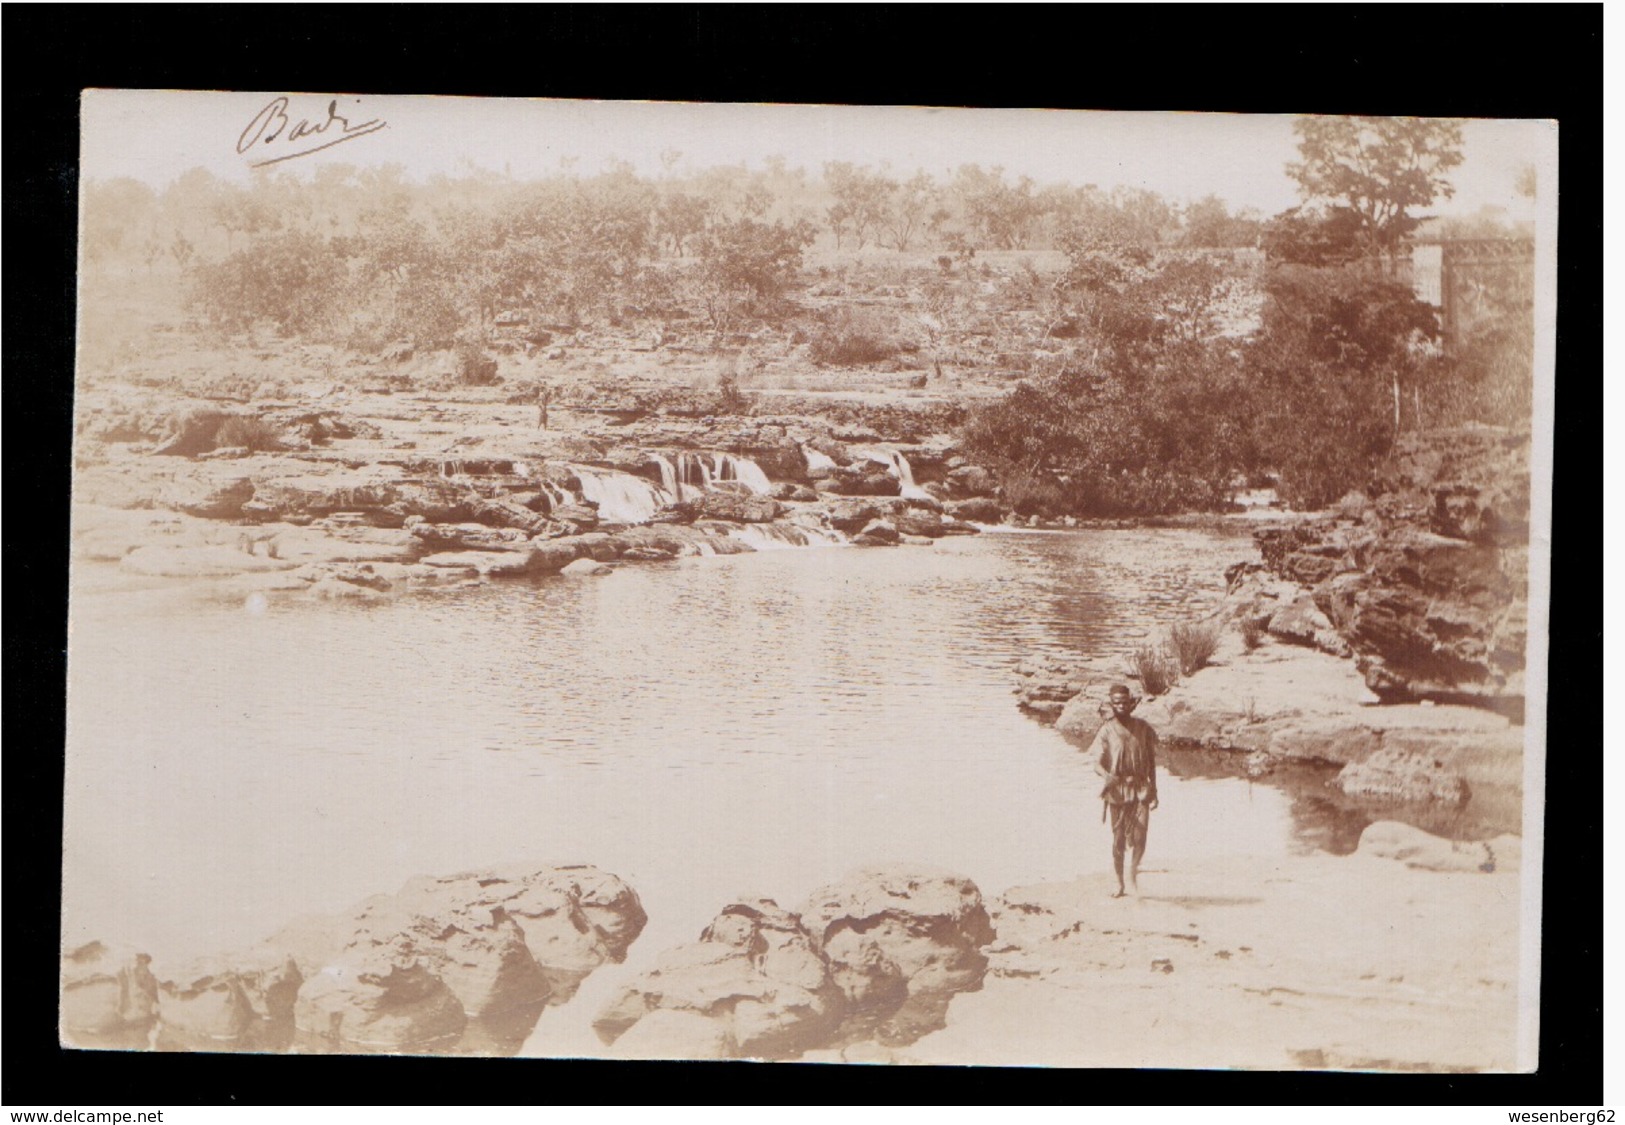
{"x":861,"y":199}
{"x":1208,"y":222}
{"x":745,"y":266}
{"x":294,"y":280}
{"x":1381,"y":169}
{"x":679,"y":218}
{"x":906,"y":215}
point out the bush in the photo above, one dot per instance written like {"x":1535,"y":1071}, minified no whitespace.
{"x":248,"y":432}
{"x":853,"y":336}
{"x":474,"y":367}
{"x":1192,"y":645}
{"x":1154,"y":668}
{"x":1252,"y":632}
{"x":1028,"y":494}
{"x":730,"y":399}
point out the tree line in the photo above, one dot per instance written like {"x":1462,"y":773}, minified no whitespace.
{"x":1148,"y":398}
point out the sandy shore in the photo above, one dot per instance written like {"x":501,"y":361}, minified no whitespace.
{"x":1316,"y":962}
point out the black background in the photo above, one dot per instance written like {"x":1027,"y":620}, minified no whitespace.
{"x":1501,"y":61}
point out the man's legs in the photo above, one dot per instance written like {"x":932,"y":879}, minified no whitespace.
{"x":1139,"y":824}
{"x":1120,"y":823}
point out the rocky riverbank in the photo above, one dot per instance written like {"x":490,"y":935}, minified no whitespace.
{"x":892,"y":964}
{"x":1385,"y":638}
{"x":357,"y":495}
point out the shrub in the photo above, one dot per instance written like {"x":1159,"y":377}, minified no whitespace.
{"x":474,"y":367}
{"x":1192,"y":644}
{"x":730,"y":399}
{"x":853,"y":336}
{"x":1028,"y":494}
{"x":1252,"y":632}
{"x":250,"y":433}
{"x":1154,"y":668}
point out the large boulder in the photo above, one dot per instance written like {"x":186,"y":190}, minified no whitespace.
{"x":1300,"y":621}
{"x":223,"y":1003}
{"x":900,"y":944}
{"x":970,"y":480}
{"x":502,"y":942}
{"x":877,"y":533}
{"x":920,"y":521}
{"x":106,"y":990}
{"x":980,"y":509}
{"x":754,"y":976}
{"x":380,"y":999}
{"x":574,"y":917}
{"x":851,"y":516}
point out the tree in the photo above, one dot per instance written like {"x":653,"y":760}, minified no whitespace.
{"x":861,"y":199}
{"x":745,"y":265}
{"x":907,"y":213}
{"x":1382,"y":169}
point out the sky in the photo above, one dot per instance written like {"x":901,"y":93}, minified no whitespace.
{"x":155,"y":136}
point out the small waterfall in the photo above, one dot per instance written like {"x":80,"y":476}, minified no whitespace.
{"x":558,"y":496}
{"x":897,"y":466}
{"x":621,"y":497}
{"x":743,"y":470}
{"x":693,"y":472}
{"x":905,"y":477}
{"x":818,"y":463}
{"x":674,"y":478}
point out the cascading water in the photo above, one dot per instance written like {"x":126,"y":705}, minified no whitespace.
{"x":818,"y":463}
{"x":897,"y":466}
{"x":558,"y":496}
{"x":621,"y":497}
{"x":905,"y":478}
{"x":782,"y":537}
{"x":743,"y":470}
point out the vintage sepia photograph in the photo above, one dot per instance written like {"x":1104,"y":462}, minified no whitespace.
{"x":835,"y":584}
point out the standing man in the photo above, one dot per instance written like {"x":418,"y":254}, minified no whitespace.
{"x":544,"y":396}
{"x":1125,"y":756}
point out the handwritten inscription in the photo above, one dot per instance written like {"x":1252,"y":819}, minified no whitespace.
{"x":275,"y":135}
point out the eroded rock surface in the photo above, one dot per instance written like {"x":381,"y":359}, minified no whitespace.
{"x":900,"y":944}
{"x":878,"y":955}
{"x":107,"y":993}
{"x":1427,"y":583}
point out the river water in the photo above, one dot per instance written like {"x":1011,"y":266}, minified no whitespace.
{"x":704,"y":728}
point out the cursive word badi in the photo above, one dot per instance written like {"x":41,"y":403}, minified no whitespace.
{"x":289,"y":139}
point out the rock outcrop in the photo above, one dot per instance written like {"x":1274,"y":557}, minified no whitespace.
{"x":1427,"y":583}
{"x":900,"y":945}
{"x":503,"y":943}
{"x":878,"y":955}
{"x":456,"y":962}
{"x":109,"y":995}
{"x":753,"y":977}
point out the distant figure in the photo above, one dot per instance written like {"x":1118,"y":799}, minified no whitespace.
{"x":544,"y":395}
{"x":1125,"y":756}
